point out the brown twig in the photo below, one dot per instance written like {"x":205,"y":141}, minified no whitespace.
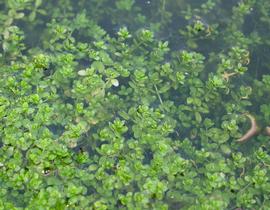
{"x":226,"y":76}
{"x":251,"y":132}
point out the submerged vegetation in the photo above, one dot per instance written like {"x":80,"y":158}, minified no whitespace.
{"x":133,"y":104}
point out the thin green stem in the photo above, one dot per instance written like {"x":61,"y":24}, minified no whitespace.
{"x":160,"y":100}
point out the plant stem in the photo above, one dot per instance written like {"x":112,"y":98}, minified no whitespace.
{"x":251,"y":132}
{"x":160,"y":100}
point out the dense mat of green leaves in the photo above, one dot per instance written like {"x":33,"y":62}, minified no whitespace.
{"x":134,"y":104}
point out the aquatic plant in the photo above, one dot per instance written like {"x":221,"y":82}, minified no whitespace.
{"x":134,"y":104}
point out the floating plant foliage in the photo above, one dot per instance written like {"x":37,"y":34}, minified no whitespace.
{"x":133,"y":104}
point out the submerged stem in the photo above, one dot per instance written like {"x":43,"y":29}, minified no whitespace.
{"x":160,"y":100}
{"x":252,"y":131}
